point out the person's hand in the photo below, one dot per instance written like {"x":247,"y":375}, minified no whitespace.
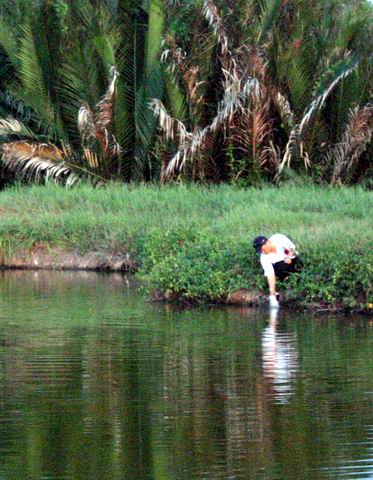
{"x":288,"y":260}
{"x":273,"y":302}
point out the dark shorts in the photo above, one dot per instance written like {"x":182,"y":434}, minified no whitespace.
{"x":283,"y":270}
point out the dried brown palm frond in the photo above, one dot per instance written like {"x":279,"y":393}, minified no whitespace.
{"x":284,"y":109}
{"x":173,"y":55}
{"x":104,"y":107}
{"x":243,"y":90}
{"x":42,"y":150}
{"x":38,"y":161}
{"x":237,"y":92}
{"x":48,"y":161}
{"x":355,"y":139}
{"x":172,"y":128}
{"x":176,"y":58}
{"x":295,"y":145}
{"x":253,"y":135}
{"x":95,"y":123}
{"x":91,"y":158}
{"x":239,"y":88}
{"x":273,"y":153}
{"x":11,"y":126}
{"x":212,"y":16}
{"x":86,"y":123}
{"x":193,"y":83}
{"x":236,"y":96}
{"x":250,"y":60}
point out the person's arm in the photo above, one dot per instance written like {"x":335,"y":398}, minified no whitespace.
{"x":290,"y":252}
{"x":271,"y":279}
{"x":289,"y":248}
{"x":272,"y":291}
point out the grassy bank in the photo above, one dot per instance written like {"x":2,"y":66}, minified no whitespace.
{"x":196,"y":242}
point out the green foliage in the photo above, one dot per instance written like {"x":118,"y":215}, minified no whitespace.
{"x":181,"y":20}
{"x":61,"y":54}
{"x":312,"y":65}
{"x":332,"y":275}
{"x":197,"y":267}
{"x":55,"y":57}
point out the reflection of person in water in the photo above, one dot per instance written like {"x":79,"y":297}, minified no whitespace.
{"x":280,"y":358}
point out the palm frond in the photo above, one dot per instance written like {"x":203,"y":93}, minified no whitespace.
{"x":46,"y":162}
{"x":84,"y":13}
{"x":236,"y":94}
{"x":176,"y":97}
{"x":156,"y":21}
{"x":176,"y":60}
{"x":38,"y":161}
{"x":253,"y":133}
{"x":91,"y":158}
{"x":31,"y":75}
{"x":295,"y":143}
{"x":348,"y":94}
{"x":299,"y":82}
{"x":212,"y":16}
{"x":96,"y":124}
{"x":75,"y":91}
{"x":11,"y":126}
{"x":152,"y":87}
{"x":319,"y":101}
{"x":16,"y":107}
{"x":354,"y":142}
{"x":283,"y":107}
{"x":86,"y":123}
{"x":8,"y":41}
{"x":171,"y":127}
{"x":104,"y":107}
{"x":269,"y":12}
{"x":172,"y":55}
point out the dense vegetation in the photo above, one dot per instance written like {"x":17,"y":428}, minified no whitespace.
{"x":242,"y":91}
{"x":196,"y":243}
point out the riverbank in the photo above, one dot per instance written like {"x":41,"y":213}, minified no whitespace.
{"x":193,"y":243}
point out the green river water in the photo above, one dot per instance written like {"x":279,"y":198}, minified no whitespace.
{"x":98,"y":383}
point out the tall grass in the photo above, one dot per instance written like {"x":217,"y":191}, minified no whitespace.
{"x":117,"y":217}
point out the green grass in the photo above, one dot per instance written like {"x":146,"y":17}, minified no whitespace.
{"x":112,"y":218}
{"x":162,"y":226}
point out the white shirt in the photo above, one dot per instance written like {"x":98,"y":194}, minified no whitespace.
{"x":282,"y":244}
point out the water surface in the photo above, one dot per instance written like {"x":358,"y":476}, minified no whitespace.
{"x":98,"y":383}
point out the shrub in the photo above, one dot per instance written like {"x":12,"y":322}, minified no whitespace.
{"x":201,"y":268}
{"x":335,"y":276}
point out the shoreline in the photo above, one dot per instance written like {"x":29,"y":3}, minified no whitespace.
{"x":43,"y":258}
{"x":47,"y":259}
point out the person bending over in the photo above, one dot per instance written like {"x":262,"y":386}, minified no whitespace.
{"x":279,"y":258}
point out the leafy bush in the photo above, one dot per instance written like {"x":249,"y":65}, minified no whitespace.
{"x":201,"y":268}
{"x":334,"y":276}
